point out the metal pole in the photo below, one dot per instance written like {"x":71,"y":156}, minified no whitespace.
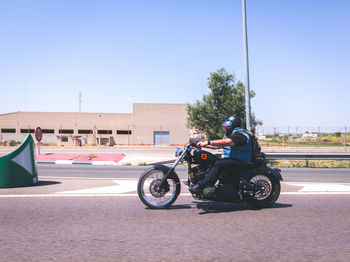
{"x":128,"y":135}
{"x":246,"y":65}
{"x":25,"y":99}
{"x":79,"y":101}
{"x":345,"y":140}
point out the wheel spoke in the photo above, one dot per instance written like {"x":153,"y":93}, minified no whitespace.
{"x":150,"y":192}
{"x":262,"y":181}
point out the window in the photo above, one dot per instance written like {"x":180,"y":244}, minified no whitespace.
{"x":85,"y":131}
{"x":123,"y":132}
{"x":8,"y":130}
{"x":65,"y":131}
{"x":104,"y":132}
{"x":64,"y":139}
{"x":27,"y":131}
{"x":48,"y":131}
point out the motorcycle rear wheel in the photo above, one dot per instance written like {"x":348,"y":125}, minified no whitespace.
{"x":271,"y":188}
{"x":153,"y":197}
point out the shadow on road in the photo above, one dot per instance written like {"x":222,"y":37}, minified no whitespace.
{"x":220,"y":207}
{"x":46,"y":183}
{"x":180,"y":207}
{"x":174,"y":207}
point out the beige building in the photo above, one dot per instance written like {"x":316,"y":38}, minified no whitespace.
{"x":149,"y":124}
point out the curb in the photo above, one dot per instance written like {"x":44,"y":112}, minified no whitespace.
{"x":73,"y":162}
{"x":162,"y":162}
{"x":100,"y":163}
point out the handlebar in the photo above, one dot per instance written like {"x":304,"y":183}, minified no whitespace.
{"x":193,"y":143}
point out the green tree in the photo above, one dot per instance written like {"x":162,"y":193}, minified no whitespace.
{"x":337,"y":134}
{"x":226,"y":98}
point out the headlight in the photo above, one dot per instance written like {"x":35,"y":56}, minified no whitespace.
{"x":178,"y":151}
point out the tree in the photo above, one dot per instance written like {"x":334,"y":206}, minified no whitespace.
{"x":225,"y":99}
{"x":337,"y":134}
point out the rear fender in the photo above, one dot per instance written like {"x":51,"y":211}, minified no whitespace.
{"x":275,"y":172}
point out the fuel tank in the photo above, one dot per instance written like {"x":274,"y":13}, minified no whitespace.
{"x":201,"y":157}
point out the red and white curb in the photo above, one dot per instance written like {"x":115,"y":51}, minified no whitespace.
{"x":75,"y":162}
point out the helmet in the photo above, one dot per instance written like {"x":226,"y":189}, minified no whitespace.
{"x":231,"y":123}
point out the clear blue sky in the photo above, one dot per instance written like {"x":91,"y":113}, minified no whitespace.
{"x":120,"y":52}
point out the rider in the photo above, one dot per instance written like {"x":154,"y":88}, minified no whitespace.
{"x":237,"y":150}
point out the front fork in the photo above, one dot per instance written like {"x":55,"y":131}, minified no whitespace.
{"x":159,"y":187}
{"x":189,"y":173}
{"x":170,"y":171}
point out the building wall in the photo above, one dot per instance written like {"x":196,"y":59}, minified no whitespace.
{"x":160,"y":117}
{"x":113,"y":128}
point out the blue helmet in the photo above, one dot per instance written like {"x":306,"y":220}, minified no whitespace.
{"x":231,"y":123}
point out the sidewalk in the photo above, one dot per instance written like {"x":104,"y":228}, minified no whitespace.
{"x":77,"y":158}
{"x":131,"y":158}
{"x":133,"y":155}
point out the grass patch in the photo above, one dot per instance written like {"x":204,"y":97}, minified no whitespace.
{"x":92,"y":156}
{"x":142,"y":164}
{"x":310,"y":163}
{"x":298,"y":144}
{"x":127,"y":164}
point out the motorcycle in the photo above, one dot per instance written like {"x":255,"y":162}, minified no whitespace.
{"x":255,"y":183}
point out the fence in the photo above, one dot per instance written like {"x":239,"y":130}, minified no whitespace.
{"x":308,"y":156}
{"x":297,"y":130}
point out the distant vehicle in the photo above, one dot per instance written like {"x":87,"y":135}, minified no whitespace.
{"x":326,"y":140}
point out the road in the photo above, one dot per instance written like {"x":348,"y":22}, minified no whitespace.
{"x":338,"y":175}
{"x":57,"y":221}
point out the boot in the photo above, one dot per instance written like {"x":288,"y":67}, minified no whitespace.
{"x":195,"y":189}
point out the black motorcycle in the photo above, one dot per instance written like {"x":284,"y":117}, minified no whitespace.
{"x":254,"y":183}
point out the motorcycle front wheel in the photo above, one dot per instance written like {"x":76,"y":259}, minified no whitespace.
{"x":152,"y":195}
{"x":267,"y":190}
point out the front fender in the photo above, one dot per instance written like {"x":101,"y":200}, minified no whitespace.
{"x":165,"y":170}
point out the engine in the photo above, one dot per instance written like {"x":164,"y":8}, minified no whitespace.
{"x":198,"y":172}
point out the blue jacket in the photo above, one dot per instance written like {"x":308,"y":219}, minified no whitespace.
{"x":242,"y":153}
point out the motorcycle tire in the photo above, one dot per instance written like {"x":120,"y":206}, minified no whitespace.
{"x":270,"y":194}
{"x":158,"y":199}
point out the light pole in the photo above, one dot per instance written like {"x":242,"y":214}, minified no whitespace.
{"x":80,"y":101}
{"x":246,"y":65}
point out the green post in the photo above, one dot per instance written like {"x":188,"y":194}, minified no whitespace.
{"x":18,"y":168}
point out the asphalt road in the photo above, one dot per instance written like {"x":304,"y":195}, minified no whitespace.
{"x":289,"y":174}
{"x":297,"y":228}
{"x":58,"y":227}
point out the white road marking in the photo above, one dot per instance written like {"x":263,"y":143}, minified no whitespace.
{"x":104,"y":163}
{"x":63,"y":162}
{"x":123,"y":186}
{"x":135,"y":195}
{"x":86,"y":178}
{"x":315,"y":193}
{"x":68,"y":195}
{"x":322,"y":187}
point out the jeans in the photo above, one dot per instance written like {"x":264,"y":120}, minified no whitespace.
{"x":222,"y":165}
